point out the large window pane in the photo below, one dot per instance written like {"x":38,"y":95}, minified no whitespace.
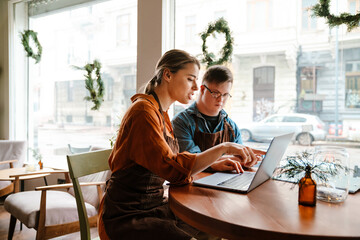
{"x":287,"y":67}
{"x":75,"y":36}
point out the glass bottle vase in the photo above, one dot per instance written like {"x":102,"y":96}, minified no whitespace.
{"x":307,"y":190}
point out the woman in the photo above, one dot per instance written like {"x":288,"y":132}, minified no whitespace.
{"x":146,"y":153}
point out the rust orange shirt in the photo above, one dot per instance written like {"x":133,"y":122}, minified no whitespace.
{"x":140,"y":140}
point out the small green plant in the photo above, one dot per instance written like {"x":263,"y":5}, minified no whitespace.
{"x":303,"y":162}
{"x":36,"y":154}
{"x":113,"y":139}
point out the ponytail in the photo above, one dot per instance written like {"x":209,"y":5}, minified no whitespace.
{"x":150,"y":86}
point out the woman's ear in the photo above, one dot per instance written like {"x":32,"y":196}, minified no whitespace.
{"x":166,"y":75}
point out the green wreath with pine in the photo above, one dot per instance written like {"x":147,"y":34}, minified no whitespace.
{"x":96,"y":94}
{"x":25,"y":38}
{"x":322,"y":10}
{"x":220,"y":26}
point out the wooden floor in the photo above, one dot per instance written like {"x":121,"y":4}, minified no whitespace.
{"x":29,"y":234}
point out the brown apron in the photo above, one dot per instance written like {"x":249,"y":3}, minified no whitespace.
{"x":135,"y":207}
{"x":208,"y":140}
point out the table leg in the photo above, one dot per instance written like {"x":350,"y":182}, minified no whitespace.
{"x":22,"y":184}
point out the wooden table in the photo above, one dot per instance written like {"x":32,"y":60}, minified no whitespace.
{"x":270,"y":211}
{"x":11,"y":174}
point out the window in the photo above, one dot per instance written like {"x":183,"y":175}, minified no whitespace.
{"x":354,"y":6}
{"x":280,"y":67}
{"x":108,"y":120}
{"x":275,"y":119}
{"x":263,"y":92}
{"x":74,"y":36}
{"x":123,"y":30}
{"x":294,"y":119}
{"x":308,"y":21}
{"x":89,"y":119}
{"x":352,"y":85}
{"x":109,"y":86}
{"x":264,"y":75}
{"x":70,"y":91}
{"x":308,"y":80}
{"x":259,"y":14}
{"x":129,"y":88}
{"x":69,"y":118}
{"x":220,"y":14}
{"x":190,"y":29}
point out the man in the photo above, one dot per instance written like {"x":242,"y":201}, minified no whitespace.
{"x":205,"y":124}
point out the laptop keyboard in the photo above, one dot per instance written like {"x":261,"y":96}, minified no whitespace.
{"x":241,"y":181}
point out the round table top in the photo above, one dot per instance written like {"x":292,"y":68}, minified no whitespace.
{"x":271,"y":211}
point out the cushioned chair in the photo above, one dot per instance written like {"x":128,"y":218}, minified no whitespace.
{"x":54,"y":213}
{"x":74,"y":150}
{"x":81,"y":167}
{"x":12,"y":154}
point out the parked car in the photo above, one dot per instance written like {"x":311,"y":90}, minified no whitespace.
{"x":307,"y":128}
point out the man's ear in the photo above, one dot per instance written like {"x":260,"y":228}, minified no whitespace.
{"x":166,"y":75}
{"x":202,"y":89}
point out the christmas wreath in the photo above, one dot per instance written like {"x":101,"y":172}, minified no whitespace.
{"x":95,"y":96}
{"x":25,"y":37}
{"x":322,"y":10}
{"x":220,"y":26}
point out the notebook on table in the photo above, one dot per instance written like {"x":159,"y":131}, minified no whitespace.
{"x":247,"y":181}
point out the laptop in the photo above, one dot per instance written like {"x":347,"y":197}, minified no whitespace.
{"x":247,"y":181}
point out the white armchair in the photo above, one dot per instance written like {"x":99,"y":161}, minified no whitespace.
{"x":12,"y":154}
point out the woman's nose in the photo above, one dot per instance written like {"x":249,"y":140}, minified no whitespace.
{"x":195,"y":86}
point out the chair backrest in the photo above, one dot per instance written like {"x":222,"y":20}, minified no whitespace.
{"x":74,"y":150}
{"x":80,"y":165}
{"x":11,"y":150}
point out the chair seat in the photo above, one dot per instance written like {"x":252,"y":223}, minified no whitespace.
{"x":60,"y":207}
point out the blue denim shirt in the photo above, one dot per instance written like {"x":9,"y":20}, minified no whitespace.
{"x":184,"y":128}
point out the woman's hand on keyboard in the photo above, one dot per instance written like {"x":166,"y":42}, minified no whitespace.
{"x":227,"y":163}
{"x":250,"y":157}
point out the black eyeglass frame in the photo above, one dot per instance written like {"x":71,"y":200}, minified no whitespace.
{"x":216,"y":95}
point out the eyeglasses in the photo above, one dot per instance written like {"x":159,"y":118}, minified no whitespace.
{"x":216,"y":94}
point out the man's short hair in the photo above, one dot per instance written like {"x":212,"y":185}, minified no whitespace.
{"x":217,"y":74}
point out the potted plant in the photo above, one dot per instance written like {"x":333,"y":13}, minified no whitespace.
{"x":303,"y":163}
{"x":37,"y":156}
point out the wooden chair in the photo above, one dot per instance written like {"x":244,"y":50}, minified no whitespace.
{"x":55,"y":213}
{"x":80,"y":166}
{"x":8,"y":187}
{"x":31,"y":207}
{"x":12,"y":154}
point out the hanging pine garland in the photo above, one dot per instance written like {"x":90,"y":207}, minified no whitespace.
{"x":96,"y":96}
{"x":220,"y":26}
{"x":25,"y":37}
{"x":322,"y":10}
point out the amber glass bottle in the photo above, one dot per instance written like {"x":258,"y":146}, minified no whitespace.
{"x":307,"y":189}
{"x":40,"y":164}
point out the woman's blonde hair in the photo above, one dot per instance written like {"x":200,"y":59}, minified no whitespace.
{"x":174,"y":60}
